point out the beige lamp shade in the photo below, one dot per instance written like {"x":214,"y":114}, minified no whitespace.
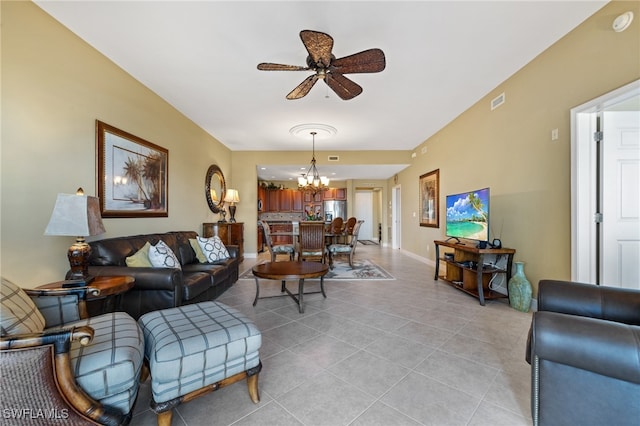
{"x":232,"y":196}
{"x":78,"y":216}
{"x":75,"y":215}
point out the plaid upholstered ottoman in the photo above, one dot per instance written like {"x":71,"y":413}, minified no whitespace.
{"x":195,"y":349}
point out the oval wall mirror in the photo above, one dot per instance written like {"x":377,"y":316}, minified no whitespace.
{"x":214,"y":188}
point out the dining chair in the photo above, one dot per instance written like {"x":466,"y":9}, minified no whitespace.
{"x":276,"y":249}
{"x":311,"y":245}
{"x":337,"y":225}
{"x":349,"y":249}
{"x":348,"y":228}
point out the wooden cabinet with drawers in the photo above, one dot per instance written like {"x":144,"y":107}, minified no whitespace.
{"x":230,"y":233}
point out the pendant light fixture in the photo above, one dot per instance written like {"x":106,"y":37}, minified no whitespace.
{"x":312,"y":181}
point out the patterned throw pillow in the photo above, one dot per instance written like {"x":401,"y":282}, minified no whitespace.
{"x":140,"y":258}
{"x":213,"y":249}
{"x":198,"y":250}
{"x":18,"y":314}
{"x":161,"y":256}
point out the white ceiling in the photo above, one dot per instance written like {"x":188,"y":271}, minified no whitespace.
{"x":201,"y":57}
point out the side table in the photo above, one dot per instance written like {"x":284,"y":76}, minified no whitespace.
{"x":108,"y":300}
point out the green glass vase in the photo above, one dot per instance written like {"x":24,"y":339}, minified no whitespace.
{"x":519,"y":289}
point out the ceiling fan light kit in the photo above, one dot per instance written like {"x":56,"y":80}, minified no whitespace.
{"x":329,"y":69}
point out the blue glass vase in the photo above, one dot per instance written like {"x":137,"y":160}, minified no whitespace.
{"x":519,"y":289}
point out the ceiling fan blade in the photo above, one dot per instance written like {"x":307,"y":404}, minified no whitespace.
{"x":368,"y":61}
{"x":267,"y":66}
{"x":319,"y":46}
{"x":303,"y":88}
{"x":343,"y":87}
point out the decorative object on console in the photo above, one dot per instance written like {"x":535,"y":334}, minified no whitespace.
{"x":519,"y":289}
{"x":232,"y":197}
{"x":132,"y":176}
{"x":429,"y":199}
{"x":79,"y":216}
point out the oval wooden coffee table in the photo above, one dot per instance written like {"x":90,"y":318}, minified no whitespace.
{"x":290,"y":271}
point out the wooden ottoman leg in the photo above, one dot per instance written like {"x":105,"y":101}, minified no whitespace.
{"x":164,"y":418}
{"x":252,"y":383}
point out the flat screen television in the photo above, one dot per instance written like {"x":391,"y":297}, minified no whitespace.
{"x":468,"y":215}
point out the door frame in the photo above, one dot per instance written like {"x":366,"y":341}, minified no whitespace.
{"x":584,"y":240}
{"x":396,"y":224}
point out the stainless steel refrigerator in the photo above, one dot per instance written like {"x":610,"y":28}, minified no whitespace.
{"x":333,"y":209}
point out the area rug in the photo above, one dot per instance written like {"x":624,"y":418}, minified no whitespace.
{"x":368,"y":242}
{"x":362,"y":270}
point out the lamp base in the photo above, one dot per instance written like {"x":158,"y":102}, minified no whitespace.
{"x":232,"y":212}
{"x":78,"y":255}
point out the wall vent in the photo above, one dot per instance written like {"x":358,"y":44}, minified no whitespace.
{"x":497,"y":101}
{"x":333,"y":158}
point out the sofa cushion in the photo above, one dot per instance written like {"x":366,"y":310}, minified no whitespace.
{"x":161,"y":256}
{"x":140,"y":258}
{"x":198,"y":250}
{"x":194,"y":284}
{"x":213,"y":248}
{"x":18,"y":314}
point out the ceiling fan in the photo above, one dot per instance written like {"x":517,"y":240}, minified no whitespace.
{"x":328,"y":68}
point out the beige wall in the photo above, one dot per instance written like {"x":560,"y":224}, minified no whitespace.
{"x":54,"y":87}
{"x":510,"y":149}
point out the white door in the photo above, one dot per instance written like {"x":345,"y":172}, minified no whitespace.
{"x":605,"y":189}
{"x":620,"y":236}
{"x":364,"y":211}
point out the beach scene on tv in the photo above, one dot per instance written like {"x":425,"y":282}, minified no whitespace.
{"x":468,"y":215}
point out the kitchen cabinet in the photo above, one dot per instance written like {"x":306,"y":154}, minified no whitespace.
{"x":284,"y":200}
{"x":297,"y":203}
{"x":262,"y":199}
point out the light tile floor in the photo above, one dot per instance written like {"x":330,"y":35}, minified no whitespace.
{"x":412,"y":351}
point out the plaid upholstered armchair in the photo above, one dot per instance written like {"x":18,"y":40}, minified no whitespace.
{"x":60,"y":369}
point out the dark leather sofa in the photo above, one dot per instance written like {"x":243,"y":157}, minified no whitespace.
{"x":584,"y":351}
{"x":160,"y":288}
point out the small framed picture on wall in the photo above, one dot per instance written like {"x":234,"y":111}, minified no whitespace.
{"x":429,"y":199}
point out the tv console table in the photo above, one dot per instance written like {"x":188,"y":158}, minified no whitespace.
{"x":466,"y":269}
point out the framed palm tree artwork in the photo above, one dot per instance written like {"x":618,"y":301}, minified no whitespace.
{"x":429,"y":199}
{"x":132,"y":174}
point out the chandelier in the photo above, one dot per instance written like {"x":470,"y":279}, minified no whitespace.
{"x":312,"y":181}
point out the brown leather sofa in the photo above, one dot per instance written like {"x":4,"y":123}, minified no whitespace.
{"x":584,"y":351}
{"x":160,"y":288}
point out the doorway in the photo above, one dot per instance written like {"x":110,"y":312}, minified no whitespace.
{"x":605,"y":187}
{"x":364,"y":211}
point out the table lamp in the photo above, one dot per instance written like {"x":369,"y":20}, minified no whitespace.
{"x":231,"y":196}
{"x":79,"y":216}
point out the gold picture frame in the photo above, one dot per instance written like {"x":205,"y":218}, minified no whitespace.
{"x":429,"y":185}
{"x":132,"y":174}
